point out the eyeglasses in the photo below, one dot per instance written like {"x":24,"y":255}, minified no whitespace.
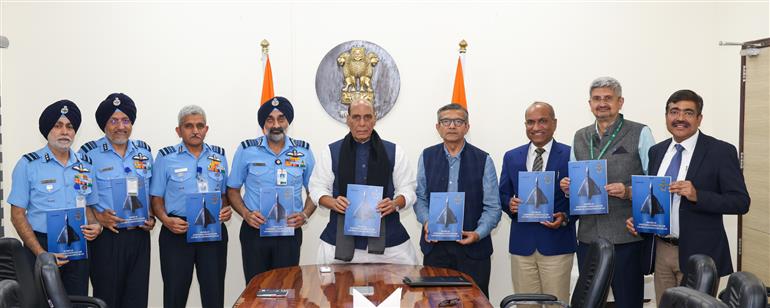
{"x":687,"y":113}
{"x":448,"y":122}
{"x":606,"y":99}
{"x":449,"y":302}
{"x":123,"y":121}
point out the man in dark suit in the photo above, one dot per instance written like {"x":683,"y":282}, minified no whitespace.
{"x":706,"y":183}
{"x":541,"y":253}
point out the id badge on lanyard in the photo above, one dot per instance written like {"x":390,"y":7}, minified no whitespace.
{"x":80,"y":201}
{"x":132,"y":183}
{"x":203,"y":184}
{"x":281,"y":177}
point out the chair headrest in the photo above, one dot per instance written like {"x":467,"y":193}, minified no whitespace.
{"x":701,"y":274}
{"x":684,"y":297}
{"x":744,"y":290}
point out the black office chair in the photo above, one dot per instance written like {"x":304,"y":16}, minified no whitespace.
{"x":744,"y":290}
{"x":9,"y":293}
{"x":701,"y":275}
{"x":47,"y":274}
{"x":592,"y":286}
{"x":17,"y":264}
{"x":685,"y":297}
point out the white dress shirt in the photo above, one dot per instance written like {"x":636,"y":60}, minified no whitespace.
{"x":689,"y":147}
{"x":531,"y":154}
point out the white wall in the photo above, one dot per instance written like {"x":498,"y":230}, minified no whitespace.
{"x":170,"y":54}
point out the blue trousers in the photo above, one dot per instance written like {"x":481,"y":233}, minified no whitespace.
{"x":120,"y":267}
{"x":452,"y":255}
{"x":627,"y":279}
{"x":261,"y":254}
{"x":177,"y":259}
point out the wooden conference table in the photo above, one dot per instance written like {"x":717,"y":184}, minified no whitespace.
{"x":308,"y":287}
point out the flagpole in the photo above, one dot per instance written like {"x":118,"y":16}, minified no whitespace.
{"x":265,"y":44}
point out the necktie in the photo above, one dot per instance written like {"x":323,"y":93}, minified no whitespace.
{"x":538,"y":165}
{"x":676,"y":162}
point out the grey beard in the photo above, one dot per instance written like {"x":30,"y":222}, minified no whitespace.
{"x":276,"y":137}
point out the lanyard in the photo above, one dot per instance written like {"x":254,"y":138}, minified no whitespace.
{"x":612,"y":138}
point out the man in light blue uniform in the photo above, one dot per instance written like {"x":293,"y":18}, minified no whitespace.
{"x":179,"y":170}
{"x":120,"y":260}
{"x":54,"y":177}
{"x":273,"y":160}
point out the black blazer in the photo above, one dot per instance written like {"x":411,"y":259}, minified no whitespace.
{"x":715,"y":173}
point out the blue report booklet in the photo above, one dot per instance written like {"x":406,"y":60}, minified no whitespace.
{"x":132,"y":206}
{"x":203,"y":217}
{"x":276,"y":204}
{"x":446,"y":214}
{"x":586,"y":187}
{"x":536,"y":194}
{"x":361,"y":216}
{"x":651,"y":202}
{"x":64,"y":234}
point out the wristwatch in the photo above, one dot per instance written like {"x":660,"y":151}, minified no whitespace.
{"x":566,"y":220}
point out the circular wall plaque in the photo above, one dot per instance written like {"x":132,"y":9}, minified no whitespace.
{"x":353,"y":70}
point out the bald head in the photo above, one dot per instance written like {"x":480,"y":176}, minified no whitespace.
{"x":361,"y":101}
{"x":536,"y":105}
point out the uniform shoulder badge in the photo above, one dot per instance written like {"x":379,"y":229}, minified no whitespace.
{"x":218,"y":150}
{"x":88,"y":146}
{"x":87,"y":159}
{"x":32,"y":156}
{"x":300,"y":143}
{"x":142,"y":144}
{"x":167,"y":150}
{"x":249,"y":143}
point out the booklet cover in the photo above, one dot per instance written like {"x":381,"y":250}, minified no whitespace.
{"x":586,"y":187}
{"x":447,"y":211}
{"x":536,"y":194}
{"x":64,"y":234}
{"x":651,"y":203}
{"x":276,"y":204}
{"x":203,"y":217}
{"x":361,"y":216}
{"x":134,"y":208}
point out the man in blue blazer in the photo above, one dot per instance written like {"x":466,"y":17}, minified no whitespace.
{"x":706,"y":183}
{"x":541,"y":253}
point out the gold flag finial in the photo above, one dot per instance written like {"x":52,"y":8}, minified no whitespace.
{"x":264,"y":45}
{"x":463,"y":46}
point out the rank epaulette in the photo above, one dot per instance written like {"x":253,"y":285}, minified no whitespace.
{"x":300,"y":143}
{"x":32,"y":156}
{"x":167,"y":150}
{"x":85,"y":158}
{"x":249,"y":143}
{"x":143,"y":145}
{"x":217,"y":149}
{"x":88,"y":146}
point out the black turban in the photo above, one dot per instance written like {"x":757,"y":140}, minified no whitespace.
{"x":115,"y":102}
{"x":53,"y":112}
{"x":279,"y":102}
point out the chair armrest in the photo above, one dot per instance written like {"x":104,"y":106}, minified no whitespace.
{"x":530,"y":298}
{"x":78,"y":300}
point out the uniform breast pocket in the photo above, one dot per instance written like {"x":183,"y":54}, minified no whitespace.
{"x":48,"y":192}
{"x":178,"y":181}
{"x":257,"y":172}
{"x":103,"y":181}
{"x":215,"y":180}
{"x":295,"y":175}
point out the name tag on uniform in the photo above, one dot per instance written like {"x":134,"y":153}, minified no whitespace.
{"x":180,"y":170}
{"x":258,"y":164}
{"x":48,"y":181}
{"x":203,"y":185}
{"x":281,"y":177}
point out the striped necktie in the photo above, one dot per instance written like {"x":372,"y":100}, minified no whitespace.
{"x":538,"y":165}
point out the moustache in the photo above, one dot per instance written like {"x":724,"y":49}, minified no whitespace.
{"x":685,"y":123}
{"x":277,"y":130}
